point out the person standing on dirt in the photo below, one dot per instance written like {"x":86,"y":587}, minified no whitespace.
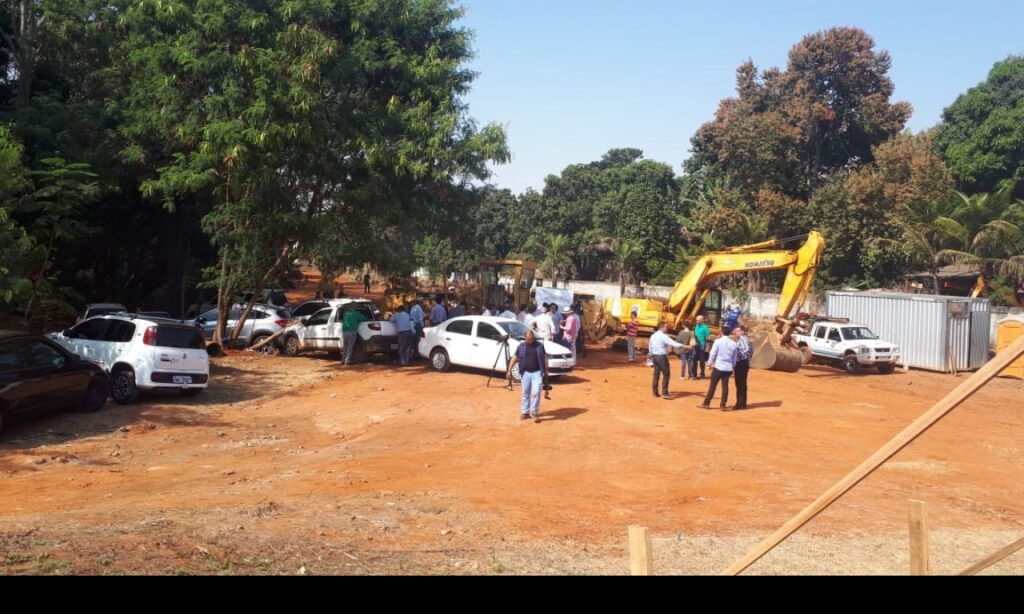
{"x":723,"y":362}
{"x":632,"y":330}
{"x":533,"y":367}
{"x":366,"y":283}
{"x":701,"y":333}
{"x":570,"y":329}
{"x":543,"y":325}
{"x":744,"y":352}
{"x":457,"y":310}
{"x":658,"y":351}
{"x":416,"y":313}
{"x":438,"y":314}
{"x":556,"y":323}
{"x":403,"y":323}
{"x":732,"y":317}
{"x":350,"y":321}
{"x":687,"y":364}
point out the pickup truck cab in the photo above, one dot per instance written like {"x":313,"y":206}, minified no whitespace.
{"x":321,"y":332}
{"x":851,"y":346}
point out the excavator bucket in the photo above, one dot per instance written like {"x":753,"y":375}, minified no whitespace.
{"x":771,"y":355}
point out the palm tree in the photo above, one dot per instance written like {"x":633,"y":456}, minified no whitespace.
{"x":626,"y":254}
{"x":990,"y":234}
{"x":555,"y":248}
{"x":927,"y":232}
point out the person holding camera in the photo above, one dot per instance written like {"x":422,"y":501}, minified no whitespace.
{"x":533,"y":366}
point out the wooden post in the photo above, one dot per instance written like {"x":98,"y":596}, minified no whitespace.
{"x":927,"y":420}
{"x":919,"y":561}
{"x":993,"y":559}
{"x":641,"y":561}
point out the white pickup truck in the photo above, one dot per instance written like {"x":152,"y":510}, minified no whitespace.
{"x":322,"y":331}
{"x":850,"y":346}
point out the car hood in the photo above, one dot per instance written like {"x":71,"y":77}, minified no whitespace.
{"x":550,"y":347}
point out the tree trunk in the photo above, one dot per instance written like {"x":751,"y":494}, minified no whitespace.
{"x":259,"y":288}
{"x":222,"y":306}
{"x":935,"y":277}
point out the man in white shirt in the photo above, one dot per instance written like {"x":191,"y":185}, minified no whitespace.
{"x":658,"y":351}
{"x":722,"y":359}
{"x":544,"y":326}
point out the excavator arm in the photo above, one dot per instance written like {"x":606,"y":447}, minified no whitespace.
{"x":688,"y":296}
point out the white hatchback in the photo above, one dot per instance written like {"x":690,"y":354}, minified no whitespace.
{"x":141,"y":353}
{"x":476,"y":342}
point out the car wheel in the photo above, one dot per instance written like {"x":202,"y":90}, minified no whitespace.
{"x":517,"y":375}
{"x":268,"y":349}
{"x":291,"y":346}
{"x":123,"y":388}
{"x":191,"y":392}
{"x":359,"y":352}
{"x":95,"y":395}
{"x":439,"y":360}
{"x":850,"y":364}
{"x":886,"y":369}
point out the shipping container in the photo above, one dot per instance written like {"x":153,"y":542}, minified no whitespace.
{"x":937,"y":333}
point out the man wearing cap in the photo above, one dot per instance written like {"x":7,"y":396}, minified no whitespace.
{"x":570,"y":329}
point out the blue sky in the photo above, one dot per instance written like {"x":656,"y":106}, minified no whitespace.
{"x":570,"y":79}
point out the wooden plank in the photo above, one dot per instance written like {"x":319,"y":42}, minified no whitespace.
{"x":994,"y":558}
{"x":927,"y":420}
{"x":641,"y":562}
{"x":919,"y":560}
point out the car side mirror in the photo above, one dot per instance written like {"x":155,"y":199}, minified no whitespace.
{"x":59,"y":362}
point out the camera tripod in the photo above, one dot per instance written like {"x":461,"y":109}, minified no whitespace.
{"x":503,"y":349}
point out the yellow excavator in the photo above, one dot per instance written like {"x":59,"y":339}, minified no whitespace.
{"x":984,"y":283}
{"x":694,"y":296}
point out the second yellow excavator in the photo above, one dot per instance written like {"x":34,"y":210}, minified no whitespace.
{"x":694,"y":296}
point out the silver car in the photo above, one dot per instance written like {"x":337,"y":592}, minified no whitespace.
{"x":263,"y":321}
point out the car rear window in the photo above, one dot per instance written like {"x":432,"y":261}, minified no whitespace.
{"x":182,"y":337}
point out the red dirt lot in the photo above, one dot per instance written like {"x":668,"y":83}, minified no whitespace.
{"x":305,"y":466}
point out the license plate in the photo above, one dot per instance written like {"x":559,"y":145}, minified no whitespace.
{"x":182,"y":379}
{"x":394,"y":346}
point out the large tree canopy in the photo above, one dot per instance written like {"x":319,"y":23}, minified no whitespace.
{"x":981,"y":135}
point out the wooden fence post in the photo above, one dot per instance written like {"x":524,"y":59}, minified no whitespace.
{"x":919,"y":561}
{"x":641,"y":562}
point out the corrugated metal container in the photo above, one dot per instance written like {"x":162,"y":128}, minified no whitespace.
{"x":933,"y":332}
{"x":1010,"y":330}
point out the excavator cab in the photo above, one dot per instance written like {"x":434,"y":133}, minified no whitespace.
{"x":712,"y":308}
{"x":496,"y":294}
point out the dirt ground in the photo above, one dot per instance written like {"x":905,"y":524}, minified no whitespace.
{"x":304,"y":466}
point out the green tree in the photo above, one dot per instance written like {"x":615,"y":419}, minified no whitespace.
{"x":981,"y":136}
{"x":556,"y":260}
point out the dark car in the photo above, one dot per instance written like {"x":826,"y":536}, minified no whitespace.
{"x":37,"y":375}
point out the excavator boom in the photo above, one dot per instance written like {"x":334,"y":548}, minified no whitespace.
{"x":688,"y":296}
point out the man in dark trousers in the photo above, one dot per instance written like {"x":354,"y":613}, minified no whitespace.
{"x":533,"y":366}
{"x":366,"y":283}
{"x":658,"y":351}
{"x":723,"y":362}
{"x":744,"y":351}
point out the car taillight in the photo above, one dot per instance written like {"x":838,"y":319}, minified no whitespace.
{"x":282,"y":323}
{"x":149,"y":338}
{"x":374,"y":325}
{"x":423,"y":334}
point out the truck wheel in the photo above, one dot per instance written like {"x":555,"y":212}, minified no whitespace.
{"x":887,"y":368}
{"x":269,"y":349}
{"x":807,"y":355}
{"x":851,"y":365}
{"x":291,"y":346}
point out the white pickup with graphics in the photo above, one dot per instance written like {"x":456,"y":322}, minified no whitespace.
{"x":851,"y":346}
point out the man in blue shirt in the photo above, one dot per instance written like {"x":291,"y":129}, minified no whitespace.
{"x":438,"y":313}
{"x":403,"y":323}
{"x":533,"y":369}
{"x":732,"y":317}
{"x":416,"y":313}
{"x":658,"y":351}
{"x":723,"y":362}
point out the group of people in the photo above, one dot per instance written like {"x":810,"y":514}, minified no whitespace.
{"x":729,"y":354}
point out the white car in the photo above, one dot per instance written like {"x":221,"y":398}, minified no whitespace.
{"x":141,"y":353}
{"x":322,"y":331}
{"x":476,"y":342}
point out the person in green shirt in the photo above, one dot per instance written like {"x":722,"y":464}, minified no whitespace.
{"x":701,"y":332}
{"x":350,"y":331}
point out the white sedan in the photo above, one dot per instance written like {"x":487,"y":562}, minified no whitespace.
{"x":476,"y":342}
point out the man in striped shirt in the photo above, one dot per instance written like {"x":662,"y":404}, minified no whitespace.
{"x":744,"y":352}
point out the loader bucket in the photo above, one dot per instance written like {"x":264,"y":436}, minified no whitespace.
{"x":770,"y":355}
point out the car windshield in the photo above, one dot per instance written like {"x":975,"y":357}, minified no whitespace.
{"x":515,"y":330}
{"x":859,"y":332}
